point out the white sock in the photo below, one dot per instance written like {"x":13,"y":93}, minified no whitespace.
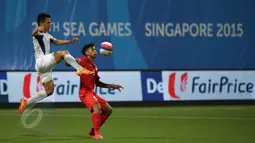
{"x":71,"y":61}
{"x":40,"y":96}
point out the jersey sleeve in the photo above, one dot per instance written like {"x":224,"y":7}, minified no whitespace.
{"x":82,"y":61}
{"x":51,"y":38}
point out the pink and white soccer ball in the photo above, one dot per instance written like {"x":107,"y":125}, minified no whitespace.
{"x":106,"y":48}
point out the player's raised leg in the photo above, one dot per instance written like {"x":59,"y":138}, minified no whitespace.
{"x":48,"y":90}
{"x":64,"y":55}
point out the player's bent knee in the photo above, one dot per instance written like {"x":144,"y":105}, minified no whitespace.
{"x":110,"y":111}
{"x":107,"y":110}
{"x":65,"y":52}
{"x":96,"y":108}
{"x":49,"y":93}
{"x":61,"y":54}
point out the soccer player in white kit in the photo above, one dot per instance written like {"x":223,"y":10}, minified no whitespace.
{"x":46,"y":60}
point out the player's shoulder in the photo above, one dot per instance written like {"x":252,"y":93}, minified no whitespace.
{"x":83,"y":58}
{"x":48,"y":34}
{"x":40,"y":35}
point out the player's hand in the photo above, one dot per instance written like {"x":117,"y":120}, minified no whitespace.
{"x":118,"y":87}
{"x":74,"y":40}
{"x":40,"y":29}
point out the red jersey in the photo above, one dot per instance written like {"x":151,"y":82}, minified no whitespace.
{"x":87,"y":82}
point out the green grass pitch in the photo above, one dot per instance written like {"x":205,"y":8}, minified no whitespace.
{"x":192,"y":124}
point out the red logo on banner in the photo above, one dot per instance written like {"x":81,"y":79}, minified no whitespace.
{"x":27,"y":84}
{"x":171,"y":84}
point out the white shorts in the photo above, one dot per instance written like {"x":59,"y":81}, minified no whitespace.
{"x":44,"y":66}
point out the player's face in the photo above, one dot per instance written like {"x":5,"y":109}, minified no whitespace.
{"x":47,"y":24}
{"x":92,"y":52}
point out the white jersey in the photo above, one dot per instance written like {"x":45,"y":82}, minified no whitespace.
{"x":42,"y":44}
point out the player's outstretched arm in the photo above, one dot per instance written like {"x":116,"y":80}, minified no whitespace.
{"x":63,"y":42}
{"x":104,"y":85}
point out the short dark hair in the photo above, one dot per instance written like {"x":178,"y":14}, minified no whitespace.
{"x":86,"y":47}
{"x":42,"y":17}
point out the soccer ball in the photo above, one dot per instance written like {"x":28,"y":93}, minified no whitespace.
{"x":106,"y":49}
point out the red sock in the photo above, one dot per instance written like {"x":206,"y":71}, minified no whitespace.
{"x":96,"y":122}
{"x":103,"y":118}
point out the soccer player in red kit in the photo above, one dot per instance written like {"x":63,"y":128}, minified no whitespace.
{"x":99,"y":108}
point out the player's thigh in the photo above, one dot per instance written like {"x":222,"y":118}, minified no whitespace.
{"x":101,"y":102}
{"x":45,"y":63}
{"x":46,"y":76}
{"x":90,"y":100}
{"x":49,"y":87}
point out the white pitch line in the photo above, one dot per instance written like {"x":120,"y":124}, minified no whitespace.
{"x":144,"y":117}
{"x":156,"y":108}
